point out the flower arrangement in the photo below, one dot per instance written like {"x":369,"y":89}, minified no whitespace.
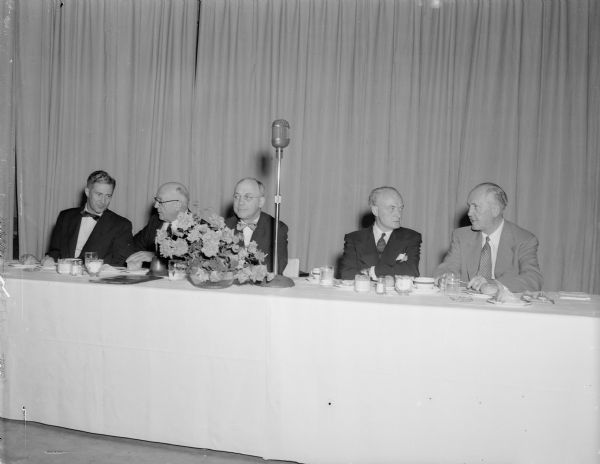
{"x":212,"y":251}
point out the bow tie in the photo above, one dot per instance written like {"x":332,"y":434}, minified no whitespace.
{"x":250,"y":225}
{"x":95,"y":217}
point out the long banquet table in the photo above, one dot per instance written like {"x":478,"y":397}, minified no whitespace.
{"x":309,"y":374}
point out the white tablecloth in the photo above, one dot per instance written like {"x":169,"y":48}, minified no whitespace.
{"x":310,"y":374}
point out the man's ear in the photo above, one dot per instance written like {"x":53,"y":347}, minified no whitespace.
{"x":87,"y":192}
{"x":374,"y":210}
{"x":261,"y":202}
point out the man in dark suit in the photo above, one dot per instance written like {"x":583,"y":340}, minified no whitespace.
{"x":171,"y":199}
{"x":93,"y":228}
{"x":257,"y":226}
{"x":386,"y":248}
{"x":492,"y":249}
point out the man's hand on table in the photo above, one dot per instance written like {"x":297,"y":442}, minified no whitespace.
{"x":482,"y":285}
{"x":135,"y":261}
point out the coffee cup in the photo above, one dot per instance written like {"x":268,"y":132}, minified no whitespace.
{"x":424,"y":283}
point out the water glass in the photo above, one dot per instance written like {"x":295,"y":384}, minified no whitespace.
{"x":76,"y":267}
{"x":404,"y":284}
{"x":452,"y":285}
{"x":64,"y":266}
{"x":326,"y":276}
{"x":93,"y":266}
{"x":362,"y":283}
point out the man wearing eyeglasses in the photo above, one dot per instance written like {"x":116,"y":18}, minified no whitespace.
{"x":256,"y":225}
{"x":171,"y":199}
{"x":386,"y":248}
{"x":93,"y":228}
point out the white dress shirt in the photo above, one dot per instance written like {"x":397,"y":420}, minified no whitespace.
{"x":494,"y":242}
{"x":85,"y":230}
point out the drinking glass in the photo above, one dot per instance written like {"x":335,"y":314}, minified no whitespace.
{"x":362,"y":283}
{"x":452,"y":285}
{"x":404,"y":284}
{"x":64,"y":266}
{"x":93,"y":266}
{"x":76,"y":267}
{"x":326,"y":276}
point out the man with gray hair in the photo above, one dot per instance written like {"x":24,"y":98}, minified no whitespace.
{"x":386,"y":248}
{"x":492,"y":249}
{"x":255,"y":224}
{"x":171,"y":199}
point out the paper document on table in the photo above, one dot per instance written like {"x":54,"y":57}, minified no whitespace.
{"x":574,"y":296}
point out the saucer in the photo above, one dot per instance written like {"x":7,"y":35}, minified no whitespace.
{"x":425,"y":291}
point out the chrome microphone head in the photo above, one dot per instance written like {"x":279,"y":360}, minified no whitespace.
{"x":280,"y":137}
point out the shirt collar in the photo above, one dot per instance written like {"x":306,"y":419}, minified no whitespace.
{"x":494,"y":236}
{"x":377,"y":233}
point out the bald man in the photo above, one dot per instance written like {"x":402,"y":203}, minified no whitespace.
{"x":492,"y":249}
{"x":171,"y":199}
{"x":386,"y":248}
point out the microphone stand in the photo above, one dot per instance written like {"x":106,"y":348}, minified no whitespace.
{"x":279,"y":281}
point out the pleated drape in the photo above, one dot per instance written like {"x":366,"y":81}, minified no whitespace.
{"x":431,"y":97}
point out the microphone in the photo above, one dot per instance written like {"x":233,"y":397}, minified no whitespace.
{"x":280,"y":138}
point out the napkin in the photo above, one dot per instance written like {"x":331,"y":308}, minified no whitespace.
{"x":574,"y":296}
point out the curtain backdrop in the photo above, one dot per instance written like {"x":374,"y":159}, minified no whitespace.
{"x":7,"y":154}
{"x":101,"y":84}
{"x":430,"y":96}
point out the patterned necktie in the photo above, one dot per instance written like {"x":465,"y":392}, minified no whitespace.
{"x":485,"y":260}
{"x":381,"y":244}
{"x":95,"y":217}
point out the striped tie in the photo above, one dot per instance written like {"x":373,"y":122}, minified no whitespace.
{"x":485,"y":260}
{"x":381,"y":244}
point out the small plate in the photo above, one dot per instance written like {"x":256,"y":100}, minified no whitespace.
{"x":24,"y":266}
{"x":477,"y":295}
{"x":139,"y":272}
{"x":512,"y":304}
{"x":426,"y":291}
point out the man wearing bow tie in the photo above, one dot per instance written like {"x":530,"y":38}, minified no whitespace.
{"x":171,"y":199}
{"x":386,"y":248}
{"x":93,"y":228}
{"x":256,"y":225}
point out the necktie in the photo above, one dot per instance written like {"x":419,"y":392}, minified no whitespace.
{"x":381,"y":244}
{"x":95,"y":217}
{"x":485,"y":260}
{"x":250,"y":225}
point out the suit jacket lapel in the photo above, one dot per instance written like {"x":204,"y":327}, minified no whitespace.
{"x":261,"y":230}
{"x":474,"y":255}
{"x":73,"y":233}
{"x":504,"y":255}
{"x":101,"y":226}
{"x":393,"y":245}
{"x":368,"y":246}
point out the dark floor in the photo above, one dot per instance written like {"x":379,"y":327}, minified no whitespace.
{"x":33,"y":443}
